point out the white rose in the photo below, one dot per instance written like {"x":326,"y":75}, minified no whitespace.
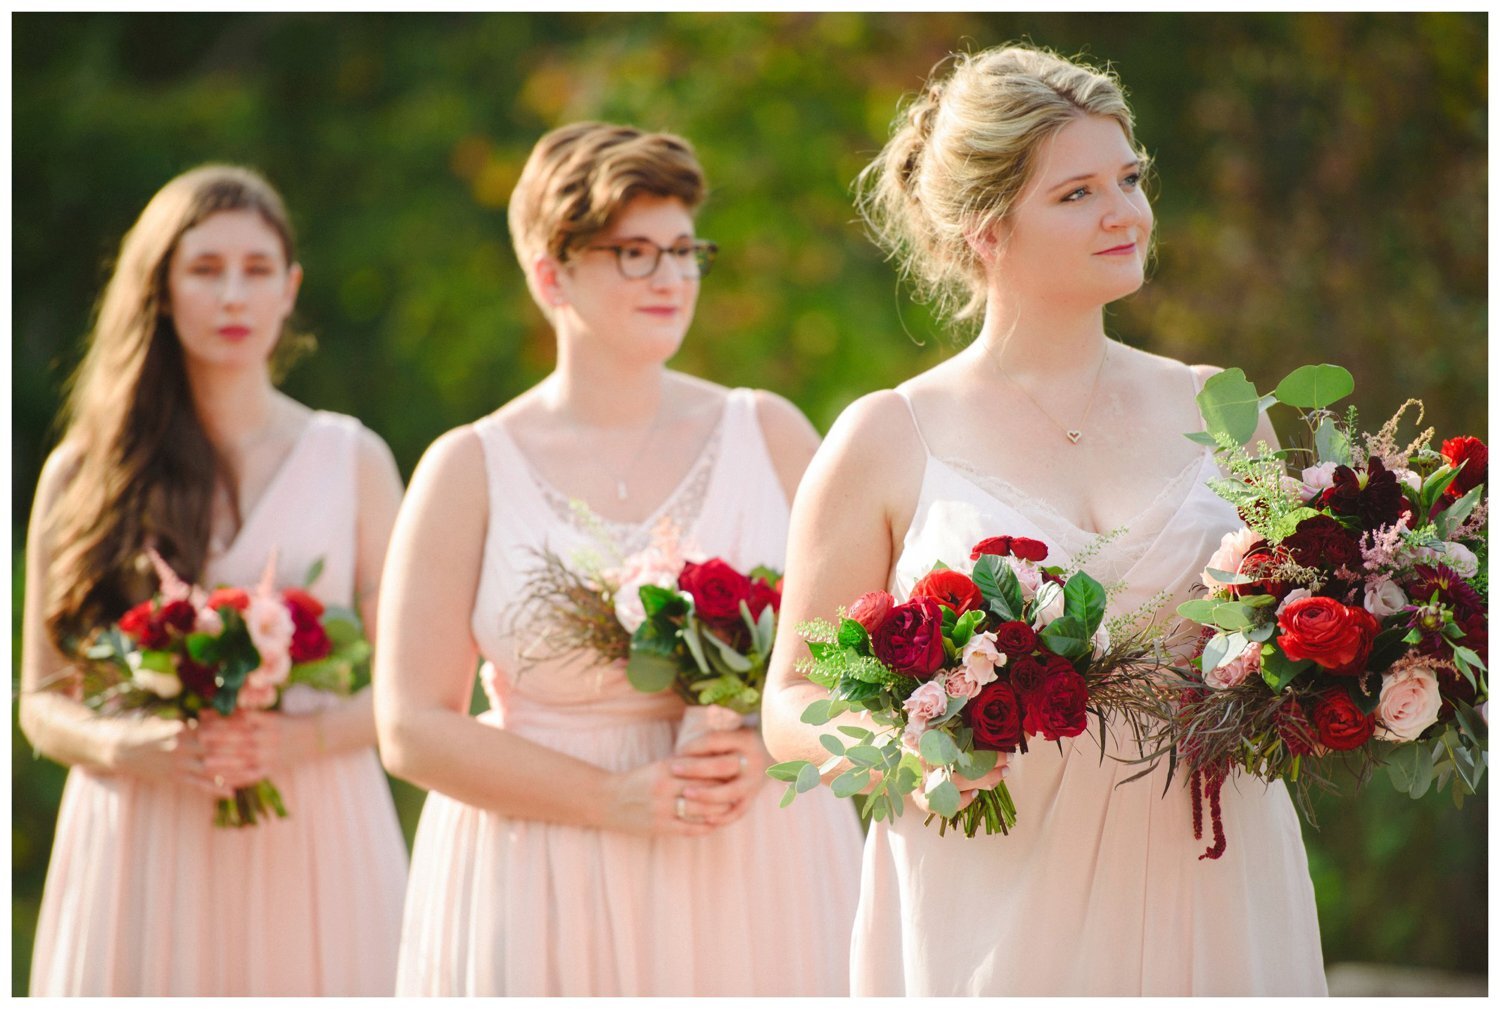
{"x":1292,"y":597}
{"x":980,"y":660}
{"x":1409,"y":703}
{"x":1049,"y":604}
{"x":927,"y":702}
{"x":1460,"y":558}
{"x":1027,"y":574}
{"x":1383,"y":597}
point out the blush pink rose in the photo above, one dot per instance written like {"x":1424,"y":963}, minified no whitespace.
{"x":271,"y":628}
{"x":1050,"y":604}
{"x":1027,"y":574}
{"x":980,"y":660}
{"x":1236,"y":671}
{"x":651,"y":566}
{"x":1409,"y":703}
{"x":927,"y":702}
{"x":1231,"y":554}
{"x":1317,"y":479}
{"x":1383,"y":597}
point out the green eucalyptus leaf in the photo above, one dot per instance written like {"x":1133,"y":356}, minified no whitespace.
{"x":1315,"y":386}
{"x":808,"y":778}
{"x":1223,"y":648}
{"x":787,"y":770}
{"x":1332,"y":444}
{"x":833,"y":744}
{"x":819,"y":711}
{"x":1230,"y":405}
{"x":943,"y":800}
{"x":788,"y":796}
{"x":650,"y":671}
{"x":851,"y":782}
{"x":864,"y":755}
{"x":937,"y":749}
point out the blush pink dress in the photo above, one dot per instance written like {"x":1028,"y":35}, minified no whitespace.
{"x":1099,"y":890}
{"x":499,"y":905}
{"x":145,"y":896}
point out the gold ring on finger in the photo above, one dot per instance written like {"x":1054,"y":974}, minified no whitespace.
{"x":218,"y":781}
{"x":744,"y":762}
{"x":681,"y":807}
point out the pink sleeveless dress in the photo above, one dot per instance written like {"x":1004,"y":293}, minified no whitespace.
{"x":504,"y":906}
{"x":145,"y":896}
{"x":1099,"y":890}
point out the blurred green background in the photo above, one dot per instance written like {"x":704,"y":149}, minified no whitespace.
{"x":1322,"y":196}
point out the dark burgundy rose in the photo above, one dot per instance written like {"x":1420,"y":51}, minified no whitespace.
{"x":1335,"y":636}
{"x":1015,"y":638}
{"x":1006,"y":546}
{"x":953,"y":589}
{"x":717,"y":590}
{"x":1057,"y":709}
{"x":1297,"y":734}
{"x":1340,"y":723}
{"x":763,"y":595}
{"x":1373,"y":494}
{"x":177,"y":617}
{"x":870,"y":609}
{"x":1322,"y":542}
{"x":1475,"y":459}
{"x":1027,"y":675}
{"x":995,"y":716}
{"x":196,"y":679}
{"x":910,"y":639}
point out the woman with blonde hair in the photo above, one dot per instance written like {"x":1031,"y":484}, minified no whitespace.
{"x":175,"y":438}
{"x":565,"y":849}
{"x":1011,"y":190}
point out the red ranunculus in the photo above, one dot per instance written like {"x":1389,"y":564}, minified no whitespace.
{"x":1341,"y":725}
{"x":1015,"y":639}
{"x":1006,"y":546}
{"x":1335,"y":636}
{"x":1057,"y":709}
{"x":237,"y":599}
{"x":910,"y":639}
{"x":953,"y":589}
{"x":1027,"y":675}
{"x":763,"y":595}
{"x":137,"y":624}
{"x":870,"y":609}
{"x":717,"y":590}
{"x":995,"y":716}
{"x":1474,"y":456}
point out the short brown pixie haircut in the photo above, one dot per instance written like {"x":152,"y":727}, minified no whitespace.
{"x":580,"y":176}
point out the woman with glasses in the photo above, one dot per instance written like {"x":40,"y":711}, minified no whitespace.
{"x":566,"y":849}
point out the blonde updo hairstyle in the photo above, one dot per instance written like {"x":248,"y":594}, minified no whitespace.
{"x":962,"y":152}
{"x":580,"y":176}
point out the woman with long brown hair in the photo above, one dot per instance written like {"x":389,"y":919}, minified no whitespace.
{"x":175,"y":438}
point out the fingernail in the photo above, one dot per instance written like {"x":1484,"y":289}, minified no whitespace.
{"x":678,"y":768}
{"x":1005,"y":771}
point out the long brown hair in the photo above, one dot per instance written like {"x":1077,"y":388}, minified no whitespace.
{"x":145,"y":470}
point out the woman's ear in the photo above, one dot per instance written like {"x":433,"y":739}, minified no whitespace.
{"x":984,"y":241}
{"x":547,"y":277}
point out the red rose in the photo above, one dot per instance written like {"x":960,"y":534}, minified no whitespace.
{"x":1260,"y":561}
{"x":137,"y":624}
{"x":1341,"y":725}
{"x":1057,"y":709}
{"x":298,"y":599}
{"x":1335,"y":636}
{"x":1015,"y":638}
{"x":953,"y":589}
{"x":237,"y":599}
{"x":763,"y":595}
{"x":1006,"y":546}
{"x":910,"y":639}
{"x":178,"y":615}
{"x":869,"y":610}
{"x":717,"y":590}
{"x":1027,"y":675}
{"x":1475,"y":458}
{"x":995,"y":716}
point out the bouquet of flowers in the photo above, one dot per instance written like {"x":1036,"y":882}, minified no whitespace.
{"x":1348,"y":614}
{"x":974,"y":663}
{"x":701,"y":628}
{"x":188,"y":650}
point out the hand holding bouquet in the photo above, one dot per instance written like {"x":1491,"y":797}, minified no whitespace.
{"x":1348,"y":614}
{"x":969,"y":667}
{"x":188,"y":650}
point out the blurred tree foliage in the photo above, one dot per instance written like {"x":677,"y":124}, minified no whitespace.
{"x":1321,"y":195}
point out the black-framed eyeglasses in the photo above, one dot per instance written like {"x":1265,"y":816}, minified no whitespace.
{"x":640,"y":257}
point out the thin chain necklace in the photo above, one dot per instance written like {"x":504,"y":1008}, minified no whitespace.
{"x":1073,"y":434}
{"x":622,"y":489}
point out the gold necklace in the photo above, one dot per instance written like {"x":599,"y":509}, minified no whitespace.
{"x":1073,"y":434}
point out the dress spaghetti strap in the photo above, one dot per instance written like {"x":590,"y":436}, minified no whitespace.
{"x":915,"y":424}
